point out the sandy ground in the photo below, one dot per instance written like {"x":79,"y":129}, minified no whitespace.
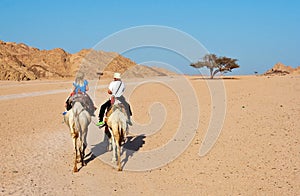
{"x":256,"y":153}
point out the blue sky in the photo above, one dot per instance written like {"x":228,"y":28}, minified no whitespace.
{"x":258,"y":33}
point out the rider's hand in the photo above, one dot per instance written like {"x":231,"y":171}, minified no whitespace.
{"x":112,"y":100}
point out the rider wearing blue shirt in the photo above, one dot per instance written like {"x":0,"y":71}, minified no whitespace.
{"x":81,"y":88}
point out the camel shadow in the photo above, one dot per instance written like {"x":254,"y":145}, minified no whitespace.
{"x":132,"y":145}
{"x":97,"y":150}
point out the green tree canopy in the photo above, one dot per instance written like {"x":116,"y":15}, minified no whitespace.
{"x":216,"y":64}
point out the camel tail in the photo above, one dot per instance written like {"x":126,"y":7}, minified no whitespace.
{"x":121,"y":134}
{"x":122,"y":128}
{"x":76,"y":111}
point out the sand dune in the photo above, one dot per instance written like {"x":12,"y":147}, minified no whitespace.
{"x":256,"y":153}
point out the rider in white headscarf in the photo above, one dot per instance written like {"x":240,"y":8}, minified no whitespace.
{"x":116,"y":89}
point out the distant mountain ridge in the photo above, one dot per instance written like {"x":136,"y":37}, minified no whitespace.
{"x":281,"y":69}
{"x":22,"y":62}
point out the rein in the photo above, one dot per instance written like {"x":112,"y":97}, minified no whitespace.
{"x":80,"y":112}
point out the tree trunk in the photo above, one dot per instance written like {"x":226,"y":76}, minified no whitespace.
{"x":211,"y":73}
{"x":215,"y":72}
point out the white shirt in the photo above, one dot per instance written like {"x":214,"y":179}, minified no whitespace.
{"x":113,"y":87}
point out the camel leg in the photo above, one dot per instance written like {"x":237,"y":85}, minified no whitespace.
{"x":84,"y":147}
{"x":81,"y":151}
{"x":119,"y":156}
{"x":83,"y":154}
{"x":75,"y":169}
{"x":117,"y":148}
{"x":109,"y":147}
{"x":75,"y":137}
{"x":109,"y":137}
{"x":114,"y":150}
{"x":84,"y":142}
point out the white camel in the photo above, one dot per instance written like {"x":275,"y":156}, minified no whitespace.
{"x":78,"y":120}
{"x":117,"y":126}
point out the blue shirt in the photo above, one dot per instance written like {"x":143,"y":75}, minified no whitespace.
{"x":81,"y":88}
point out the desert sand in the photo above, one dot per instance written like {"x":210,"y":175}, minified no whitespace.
{"x":256,"y":153}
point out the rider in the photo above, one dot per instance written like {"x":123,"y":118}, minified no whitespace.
{"x":116,"y":89}
{"x":80,"y":87}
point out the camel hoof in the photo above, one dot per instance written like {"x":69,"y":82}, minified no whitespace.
{"x":75,"y":170}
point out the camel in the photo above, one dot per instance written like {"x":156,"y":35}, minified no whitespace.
{"x":78,"y":120}
{"x":117,"y":126}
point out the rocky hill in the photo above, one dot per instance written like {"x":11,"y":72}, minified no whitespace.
{"x":281,"y":69}
{"x":22,"y":62}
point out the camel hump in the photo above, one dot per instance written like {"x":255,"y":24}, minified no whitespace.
{"x":85,"y":101}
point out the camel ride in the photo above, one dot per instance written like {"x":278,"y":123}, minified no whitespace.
{"x":78,"y":120}
{"x":116,"y":130}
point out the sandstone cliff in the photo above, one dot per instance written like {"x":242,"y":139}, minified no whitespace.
{"x":22,"y":62}
{"x":281,"y":69}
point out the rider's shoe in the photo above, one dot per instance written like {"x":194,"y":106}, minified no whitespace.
{"x":100,"y":123}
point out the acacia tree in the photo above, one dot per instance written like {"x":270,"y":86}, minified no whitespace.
{"x":216,"y":64}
